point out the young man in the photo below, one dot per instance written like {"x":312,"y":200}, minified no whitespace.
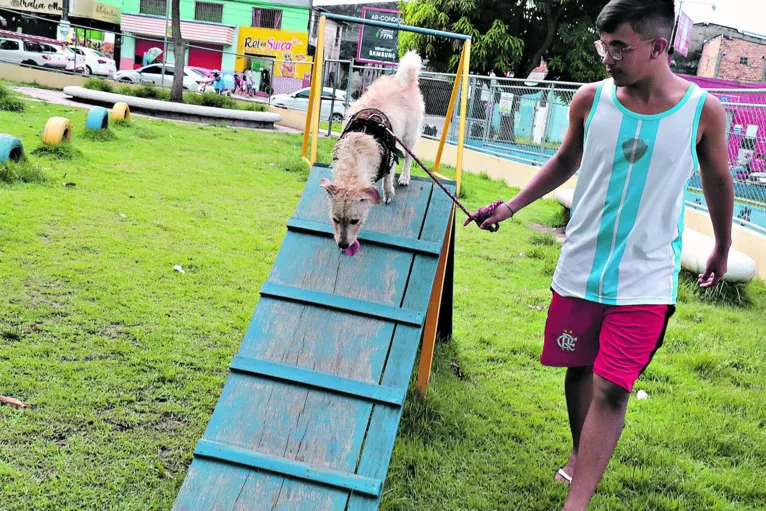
{"x":636,"y":139}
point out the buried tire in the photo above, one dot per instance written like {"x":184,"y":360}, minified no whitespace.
{"x":57,"y":130}
{"x":121,"y":112}
{"x":98,"y":119}
{"x":10,"y":148}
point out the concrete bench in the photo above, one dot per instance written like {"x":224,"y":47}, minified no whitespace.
{"x":177,"y":111}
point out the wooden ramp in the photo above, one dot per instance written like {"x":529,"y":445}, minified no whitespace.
{"x":309,"y":413}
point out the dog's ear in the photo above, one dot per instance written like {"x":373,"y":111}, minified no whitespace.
{"x":370,"y":193}
{"x":328,"y":185}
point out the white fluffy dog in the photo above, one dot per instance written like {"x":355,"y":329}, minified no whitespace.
{"x":360,"y":156}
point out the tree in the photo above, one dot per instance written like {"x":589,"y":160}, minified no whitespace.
{"x":509,"y":36}
{"x":179,"y":51}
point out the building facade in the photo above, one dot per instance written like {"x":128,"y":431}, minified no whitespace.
{"x":215,"y":31}
{"x":91,"y":23}
{"x":733,"y":58}
{"x":701,"y":34}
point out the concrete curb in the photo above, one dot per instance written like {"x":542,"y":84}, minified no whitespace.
{"x":177,"y":111}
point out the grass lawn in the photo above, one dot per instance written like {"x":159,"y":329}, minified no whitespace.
{"x":122,"y":359}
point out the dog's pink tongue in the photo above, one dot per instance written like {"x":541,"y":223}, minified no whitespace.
{"x":353,"y":249}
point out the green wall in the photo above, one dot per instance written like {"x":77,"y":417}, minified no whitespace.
{"x":234,"y":13}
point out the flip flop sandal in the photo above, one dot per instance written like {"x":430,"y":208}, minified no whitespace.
{"x":566,"y":476}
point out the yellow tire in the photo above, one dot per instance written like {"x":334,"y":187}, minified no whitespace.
{"x":57,"y":130}
{"x":121,"y":112}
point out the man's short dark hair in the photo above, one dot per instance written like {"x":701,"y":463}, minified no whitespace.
{"x":650,"y":18}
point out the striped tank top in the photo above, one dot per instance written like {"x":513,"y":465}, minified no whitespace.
{"x":623,"y":243}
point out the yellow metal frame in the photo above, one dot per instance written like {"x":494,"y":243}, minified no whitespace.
{"x":311,"y":133}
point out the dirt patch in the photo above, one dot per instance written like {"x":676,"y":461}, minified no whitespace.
{"x":556,"y":232}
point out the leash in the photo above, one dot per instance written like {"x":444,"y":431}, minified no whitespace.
{"x":478,"y":217}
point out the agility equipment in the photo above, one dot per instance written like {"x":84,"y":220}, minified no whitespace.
{"x":11,"y":148}
{"x":98,"y":119}
{"x":121,"y":112}
{"x":57,"y":130}
{"x":309,"y":413}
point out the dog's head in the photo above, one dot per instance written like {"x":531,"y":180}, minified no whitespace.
{"x":349,"y":207}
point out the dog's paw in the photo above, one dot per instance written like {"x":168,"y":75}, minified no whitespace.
{"x":404,"y":180}
{"x":388,"y":196}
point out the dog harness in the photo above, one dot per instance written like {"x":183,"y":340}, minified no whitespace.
{"x":373,"y":122}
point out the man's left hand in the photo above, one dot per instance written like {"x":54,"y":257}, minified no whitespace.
{"x":717,"y":265}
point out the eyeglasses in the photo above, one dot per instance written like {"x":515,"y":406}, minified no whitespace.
{"x":617,"y":53}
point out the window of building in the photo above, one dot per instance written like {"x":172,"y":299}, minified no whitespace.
{"x":743,"y":60}
{"x":153,"y":7}
{"x":267,"y":18}
{"x":207,"y":11}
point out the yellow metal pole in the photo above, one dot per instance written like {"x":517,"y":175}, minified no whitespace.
{"x":434,"y":305}
{"x":432,"y":316}
{"x":318,"y":65}
{"x":463,"y":107}
{"x":314,"y":89}
{"x":450,"y":111}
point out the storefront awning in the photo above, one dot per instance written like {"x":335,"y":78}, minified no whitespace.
{"x":198,"y":31}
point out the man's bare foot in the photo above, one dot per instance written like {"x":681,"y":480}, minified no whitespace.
{"x":565,"y":473}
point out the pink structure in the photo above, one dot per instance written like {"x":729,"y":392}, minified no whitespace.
{"x":745,"y":109}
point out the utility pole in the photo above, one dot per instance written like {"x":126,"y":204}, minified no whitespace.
{"x":165,"y":43}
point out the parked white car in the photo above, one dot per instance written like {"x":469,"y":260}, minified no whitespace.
{"x":29,"y":53}
{"x":69,"y":56}
{"x":94,"y":62}
{"x":152,"y":74}
{"x":299,"y":100}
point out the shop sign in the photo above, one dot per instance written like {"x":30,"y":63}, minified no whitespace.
{"x":288,"y":49}
{"x":42,"y":6}
{"x":378,"y":45}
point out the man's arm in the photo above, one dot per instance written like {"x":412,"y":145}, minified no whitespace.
{"x":717,"y":184}
{"x":561,"y":166}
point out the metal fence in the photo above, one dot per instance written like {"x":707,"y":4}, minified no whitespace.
{"x":526,"y":122}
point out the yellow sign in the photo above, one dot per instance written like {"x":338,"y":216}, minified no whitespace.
{"x":106,"y":12}
{"x":288,"y":49}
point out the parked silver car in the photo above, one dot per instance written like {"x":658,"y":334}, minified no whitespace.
{"x":299,"y":100}
{"x":152,"y":74}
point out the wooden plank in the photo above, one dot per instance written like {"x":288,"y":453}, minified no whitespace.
{"x":374,"y":274}
{"x":282,"y":466}
{"x":342,"y":303}
{"x":384,"y":423}
{"x":310,"y":426}
{"x":386,"y":240}
{"x":324,"y":381}
{"x":403,"y":217}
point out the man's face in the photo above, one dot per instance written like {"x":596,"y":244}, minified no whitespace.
{"x":638,"y":56}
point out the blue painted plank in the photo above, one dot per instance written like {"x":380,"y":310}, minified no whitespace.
{"x":387,"y":240}
{"x":343,"y":303}
{"x":324,"y":381}
{"x":319,"y":428}
{"x":403,"y":217}
{"x":375,"y":274}
{"x":384,"y":424}
{"x":285,"y":467}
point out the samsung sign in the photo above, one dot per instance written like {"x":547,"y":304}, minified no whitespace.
{"x":378,"y":45}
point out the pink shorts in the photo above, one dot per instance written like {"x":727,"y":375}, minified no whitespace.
{"x":618,"y":341}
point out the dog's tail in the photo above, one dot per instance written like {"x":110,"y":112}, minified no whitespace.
{"x":409,"y":69}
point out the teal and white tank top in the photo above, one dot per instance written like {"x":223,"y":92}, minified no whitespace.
{"x":623,"y":243}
